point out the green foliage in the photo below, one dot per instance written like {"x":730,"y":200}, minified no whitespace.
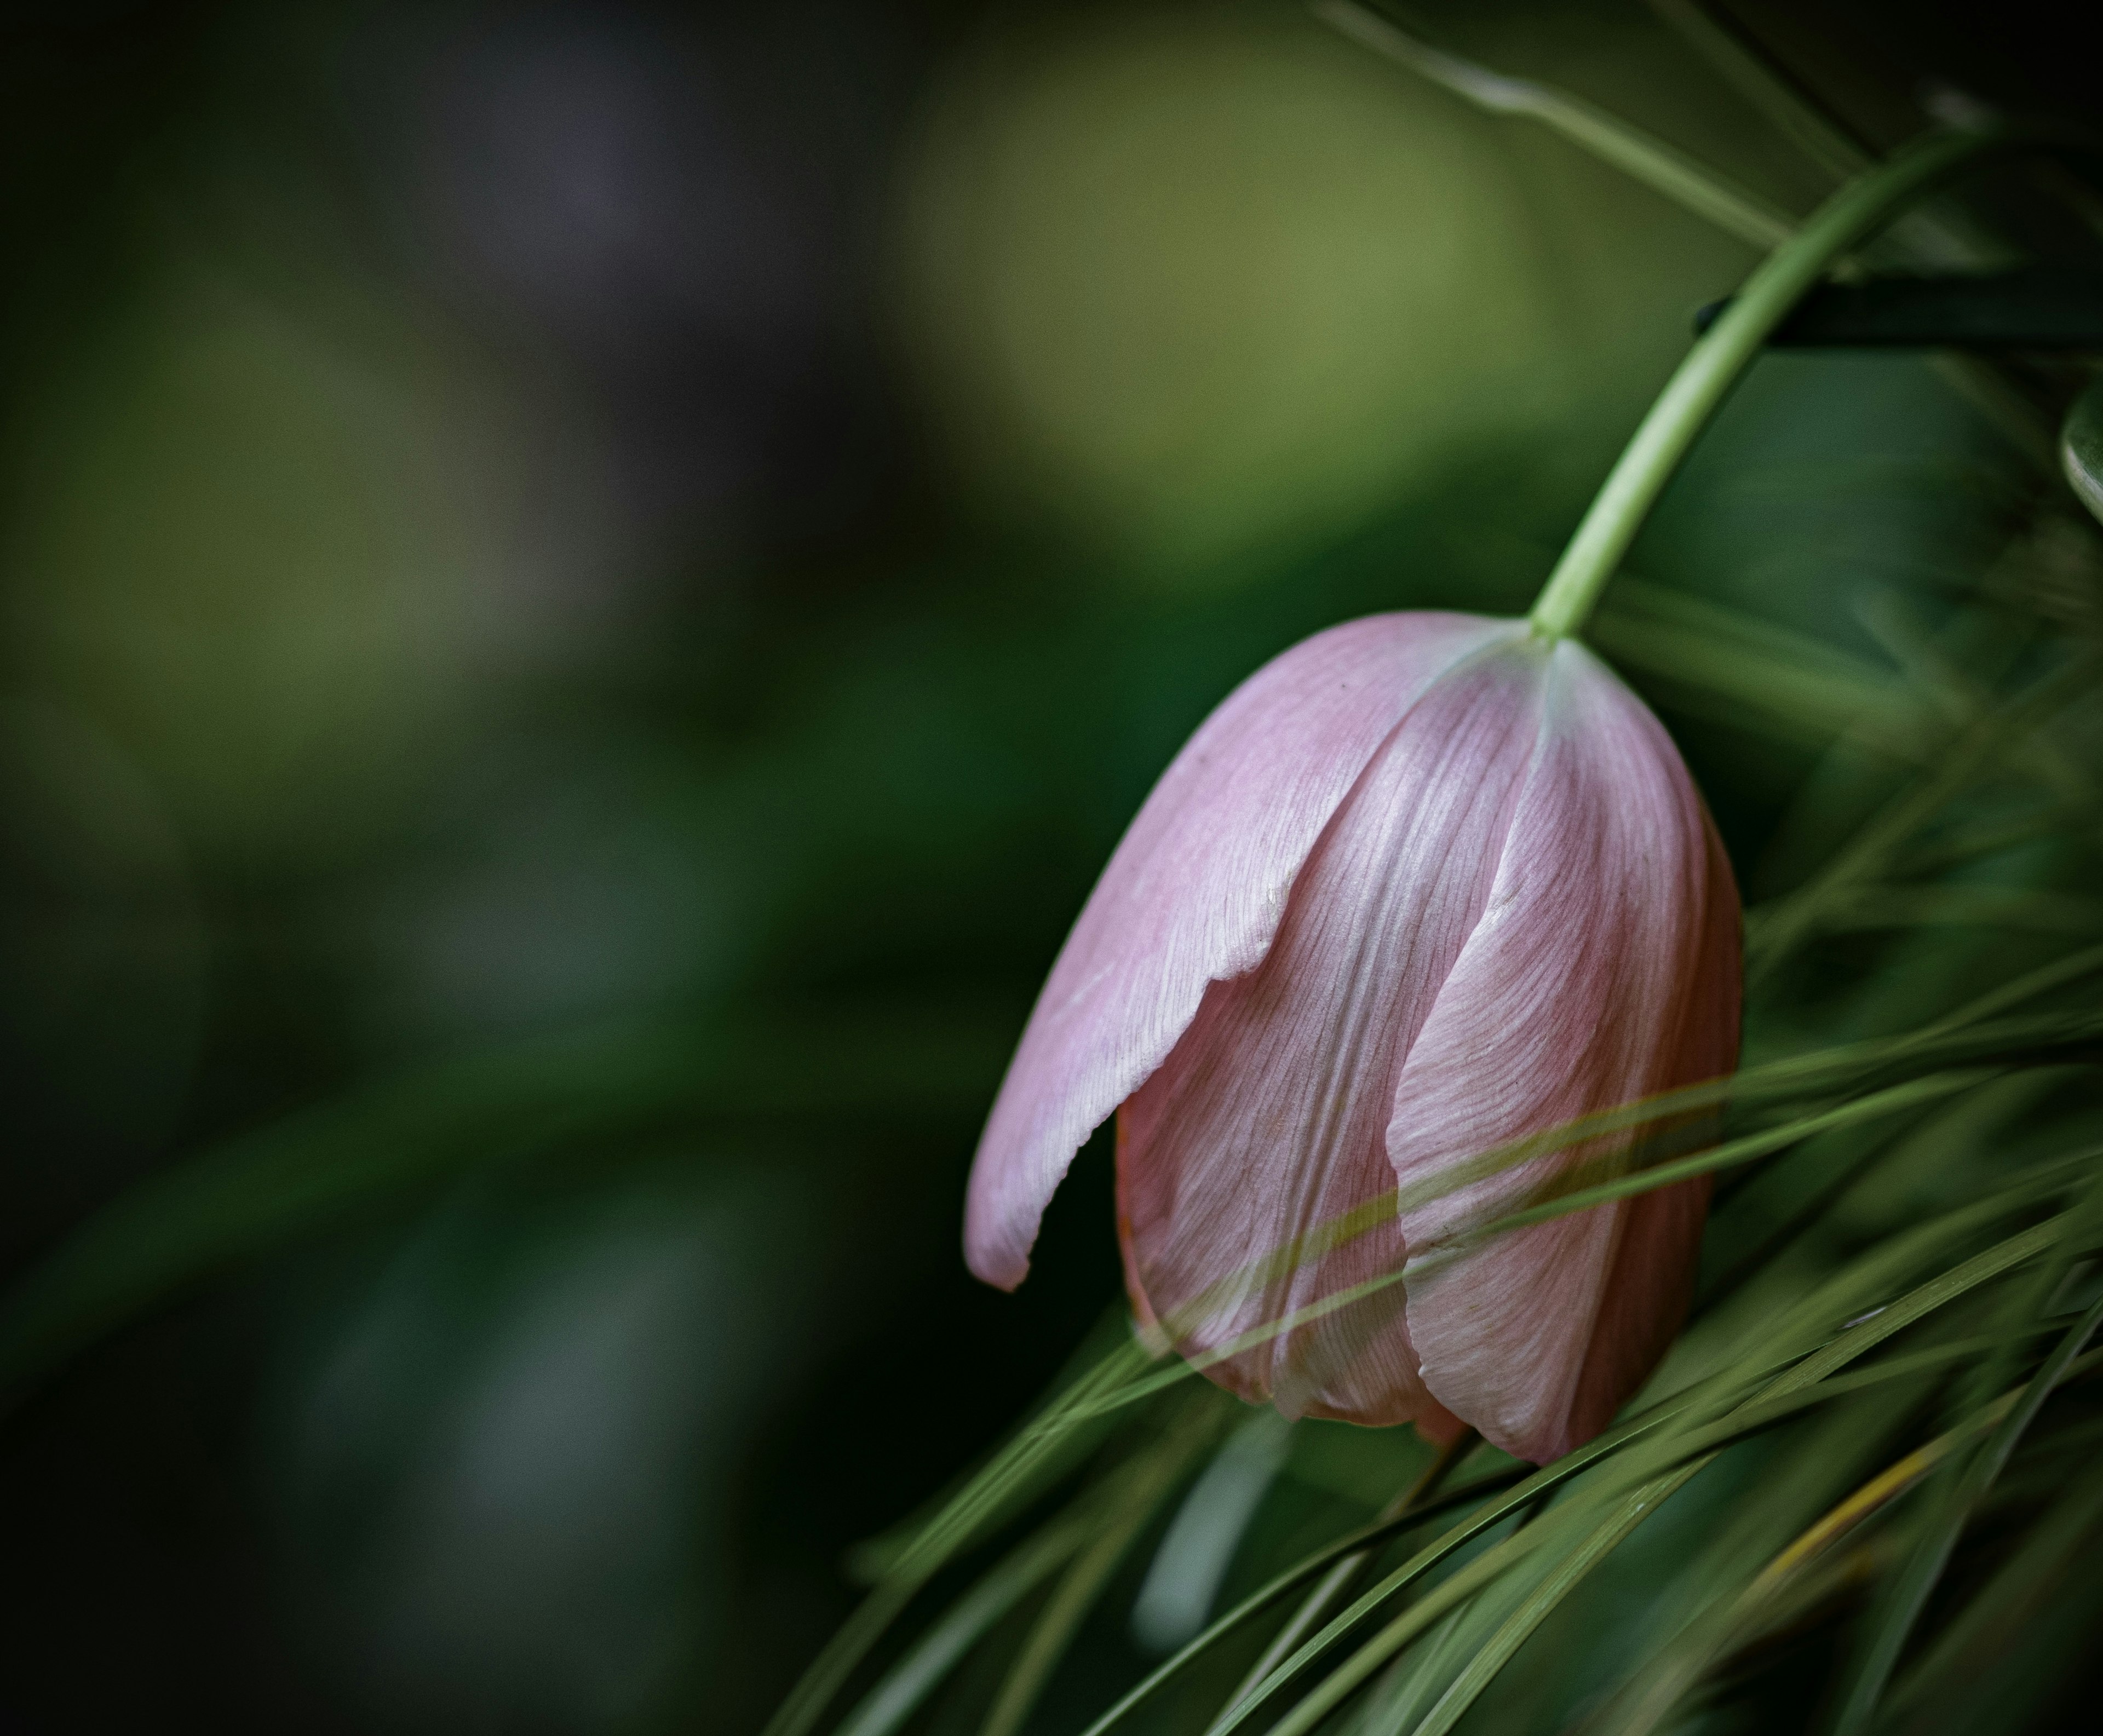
{"x":1864,"y":1461}
{"x":1899,"y":1298}
{"x":1862,"y":1492}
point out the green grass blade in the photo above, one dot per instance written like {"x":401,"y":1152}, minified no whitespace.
{"x":1541,"y":1602}
{"x":1146,"y":1483}
{"x":938,"y":1651}
{"x":1894,"y":1622}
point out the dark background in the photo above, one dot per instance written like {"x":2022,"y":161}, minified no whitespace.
{"x":533,"y":536}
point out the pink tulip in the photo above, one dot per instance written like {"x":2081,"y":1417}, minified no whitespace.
{"x":1422,"y":885}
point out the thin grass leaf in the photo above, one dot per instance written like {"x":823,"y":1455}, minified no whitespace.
{"x":1985,"y":1631}
{"x":1932,"y":1089}
{"x":1749,"y":71}
{"x":1396,"y":1703}
{"x":1772,"y":934}
{"x":1654,"y":1699}
{"x":1692,"y":185}
{"x":1895,"y":1622}
{"x":939,"y":1650}
{"x":1308,"y":1567}
{"x":1012,"y":1474}
{"x":1338,"y":1581}
{"x":1781,"y":1396}
{"x":1143,"y":1484}
{"x":1980,"y":907}
{"x":1562,"y":1579}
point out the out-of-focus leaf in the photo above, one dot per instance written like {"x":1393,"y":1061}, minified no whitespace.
{"x":260,"y":1193}
{"x":2081,"y":449}
{"x":939,"y":1650}
{"x":1878,"y":1656}
{"x":1725,"y":665}
{"x":1145,"y":1482}
{"x":1559,"y":1582}
{"x":1985,"y":1643}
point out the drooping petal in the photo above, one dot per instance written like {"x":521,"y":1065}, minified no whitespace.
{"x":1192,"y":895}
{"x":1604,"y":969}
{"x":1268,"y":1120}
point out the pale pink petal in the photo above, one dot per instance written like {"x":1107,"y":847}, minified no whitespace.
{"x":1653,"y":1277}
{"x":1268,"y":1120}
{"x":1605,"y":969}
{"x":1192,"y":895}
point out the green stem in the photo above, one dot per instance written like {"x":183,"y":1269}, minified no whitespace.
{"x":1713,"y":365}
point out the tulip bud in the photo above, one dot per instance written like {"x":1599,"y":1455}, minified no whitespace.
{"x":1422,"y":885}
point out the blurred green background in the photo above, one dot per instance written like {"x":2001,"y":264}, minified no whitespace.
{"x":601,"y":578}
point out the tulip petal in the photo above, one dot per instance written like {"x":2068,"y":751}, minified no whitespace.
{"x":1268,"y":1120}
{"x":1604,"y":969}
{"x":1193,"y":894}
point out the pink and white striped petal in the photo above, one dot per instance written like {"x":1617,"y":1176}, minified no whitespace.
{"x":1268,"y":1120}
{"x":1192,"y":896}
{"x":1604,"y":970}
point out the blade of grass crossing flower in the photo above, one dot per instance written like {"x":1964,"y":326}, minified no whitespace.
{"x":1687,"y":1406}
{"x":1891,"y":1625}
{"x":1781,"y":1396}
{"x":1737,"y":1152}
{"x":1347,"y":1225}
{"x":1796,"y":1074}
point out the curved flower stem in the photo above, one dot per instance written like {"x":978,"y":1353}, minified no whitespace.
{"x":1714,"y":365}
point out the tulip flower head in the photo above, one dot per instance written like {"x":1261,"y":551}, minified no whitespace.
{"x":1423,"y":885}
